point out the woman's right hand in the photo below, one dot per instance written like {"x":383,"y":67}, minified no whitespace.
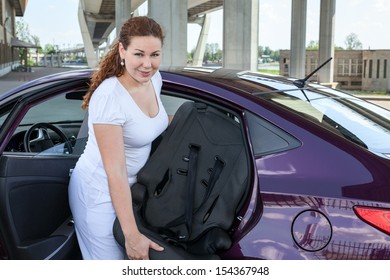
{"x":137,"y":247}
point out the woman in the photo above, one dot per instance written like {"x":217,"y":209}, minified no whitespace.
{"x":125,"y":116}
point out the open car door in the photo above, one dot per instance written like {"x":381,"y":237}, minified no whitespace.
{"x":35,"y":218}
{"x":35,"y":166}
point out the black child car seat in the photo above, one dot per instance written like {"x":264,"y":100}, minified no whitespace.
{"x":189,"y":192}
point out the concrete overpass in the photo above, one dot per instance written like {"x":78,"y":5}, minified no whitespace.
{"x":98,"y":18}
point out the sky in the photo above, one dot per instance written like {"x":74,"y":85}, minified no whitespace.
{"x":56,"y":22}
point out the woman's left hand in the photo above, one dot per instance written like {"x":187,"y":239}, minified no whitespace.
{"x":137,"y":247}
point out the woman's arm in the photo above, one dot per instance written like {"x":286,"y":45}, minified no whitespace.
{"x":110,"y":141}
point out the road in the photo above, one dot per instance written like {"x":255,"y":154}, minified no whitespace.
{"x":14,"y":79}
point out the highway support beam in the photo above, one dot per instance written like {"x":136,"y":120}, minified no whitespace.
{"x":240,"y":34}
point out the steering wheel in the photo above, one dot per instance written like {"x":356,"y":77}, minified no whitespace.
{"x":43,"y":141}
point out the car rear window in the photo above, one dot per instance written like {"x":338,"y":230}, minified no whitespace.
{"x":350,"y":117}
{"x":355,"y":119}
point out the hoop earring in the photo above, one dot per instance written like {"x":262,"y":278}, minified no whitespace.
{"x":123,"y":62}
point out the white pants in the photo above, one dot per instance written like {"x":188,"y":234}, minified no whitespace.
{"x":94,"y":216}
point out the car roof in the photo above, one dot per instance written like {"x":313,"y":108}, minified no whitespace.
{"x":221,"y":75}
{"x":226,"y":78}
{"x":236,"y":80}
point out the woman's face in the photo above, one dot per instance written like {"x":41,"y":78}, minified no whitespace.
{"x":142,"y":57}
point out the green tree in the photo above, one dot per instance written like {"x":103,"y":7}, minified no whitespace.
{"x":50,"y":49}
{"x":23,"y":34}
{"x":35,"y":40}
{"x":23,"y":31}
{"x":273,"y":55}
{"x":313,"y":46}
{"x":190,"y":55}
{"x":212,"y":52}
{"x":352,"y":42}
{"x":218,"y":54}
{"x":267,"y":51}
{"x":260,"y":51}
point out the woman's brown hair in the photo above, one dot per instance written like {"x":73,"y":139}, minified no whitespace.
{"x":110,"y":65}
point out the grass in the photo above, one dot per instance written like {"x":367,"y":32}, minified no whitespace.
{"x":268,"y":71}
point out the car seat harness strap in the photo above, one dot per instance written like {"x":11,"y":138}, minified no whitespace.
{"x":191,"y":182}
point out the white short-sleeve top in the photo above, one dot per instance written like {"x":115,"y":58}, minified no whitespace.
{"x":112,"y":104}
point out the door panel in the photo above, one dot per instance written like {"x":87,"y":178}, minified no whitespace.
{"x":35,"y":219}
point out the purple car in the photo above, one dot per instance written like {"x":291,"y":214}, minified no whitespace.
{"x":318,"y":165}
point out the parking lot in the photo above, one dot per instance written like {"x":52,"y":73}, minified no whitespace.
{"x":14,"y":79}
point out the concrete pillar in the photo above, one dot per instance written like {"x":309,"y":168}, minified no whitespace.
{"x":298,"y":39}
{"x":172,"y":15}
{"x":388,"y":86}
{"x":107,"y":48}
{"x":326,"y":41}
{"x":240,"y":34}
{"x":388,"y":75}
{"x":59,"y":59}
{"x":201,"y":45}
{"x":97,"y":53}
{"x":122,"y":13}
{"x":88,"y":45}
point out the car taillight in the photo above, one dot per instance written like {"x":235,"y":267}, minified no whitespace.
{"x":376,"y":217}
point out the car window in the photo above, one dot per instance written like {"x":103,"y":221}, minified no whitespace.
{"x":267,"y":138}
{"x":66,"y":113}
{"x":357,"y":120}
{"x":172,"y":103}
{"x":56,"y":110}
{"x":61,"y":149}
{"x":63,"y":111}
{"x":354,"y":119}
{"x":3,"y":117}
